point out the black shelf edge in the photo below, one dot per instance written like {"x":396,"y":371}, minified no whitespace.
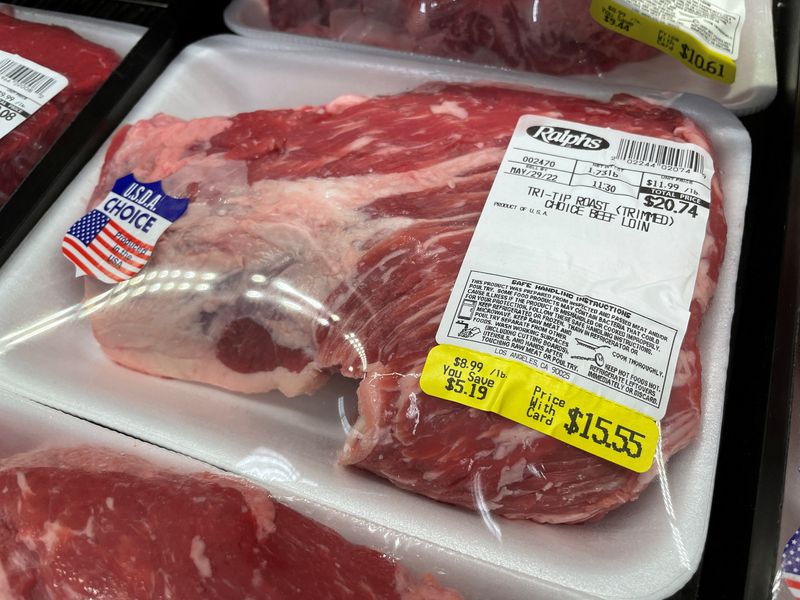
{"x":744,"y":528}
{"x":765,"y":540}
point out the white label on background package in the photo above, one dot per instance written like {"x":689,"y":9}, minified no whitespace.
{"x":24,"y":87}
{"x":718,"y":23}
{"x":584,"y":260}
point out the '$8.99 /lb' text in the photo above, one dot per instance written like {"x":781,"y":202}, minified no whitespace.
{"x":475,"y":385}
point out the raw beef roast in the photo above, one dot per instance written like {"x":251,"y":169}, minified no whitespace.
{"x":328,"y":239}
{"x":547,"y":36}
{"x":86,"y":65}
{"x":88,"y":523}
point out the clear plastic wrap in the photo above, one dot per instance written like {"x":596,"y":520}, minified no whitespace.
{"x":327,"y":239}
{"x":83,"y":61}
{"x":326,"y":224}
{"x":105,"y":516}
{"x":552,"y":37}
{"x":558,"y":37}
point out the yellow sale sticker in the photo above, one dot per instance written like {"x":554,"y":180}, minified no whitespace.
{"x":543,"y":402}
{"x":671,"y":40}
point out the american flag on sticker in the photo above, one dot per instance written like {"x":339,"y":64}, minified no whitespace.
{"x":791,"y":564}
{"x":101,"y":248}
{"x":116,"y":239}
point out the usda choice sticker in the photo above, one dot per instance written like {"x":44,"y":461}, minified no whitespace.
{"x":115,"y":241}
{"x":584,"y":259}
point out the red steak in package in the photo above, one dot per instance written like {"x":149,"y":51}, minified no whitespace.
{"x":84,"y":64}
{"x":545,"y":36}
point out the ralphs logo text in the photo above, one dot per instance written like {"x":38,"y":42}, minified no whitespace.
{"x":567,"y":138}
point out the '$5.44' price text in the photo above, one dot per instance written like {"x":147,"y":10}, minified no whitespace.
{"x":630,"y":441}
{"x":473,"y":384}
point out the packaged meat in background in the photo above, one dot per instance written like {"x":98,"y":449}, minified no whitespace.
{"x":544,"y":36}
{"x":27,"y":133}
{"x":88,"y":520}
{"x":267,"y":272}
{"x":81,"y":521}
{"x":583,"y":39}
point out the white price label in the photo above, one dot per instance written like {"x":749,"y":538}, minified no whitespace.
{"x":24,"y":87}
{"x":584,"y":260}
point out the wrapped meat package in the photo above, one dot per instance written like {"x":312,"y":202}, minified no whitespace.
{"x":275,"y":319}
{"x":329,"y":239}
{"x":545,"y":36}
{"x":96,"y":521}
{"x":85,"y":65}
{"x":578,"y":39}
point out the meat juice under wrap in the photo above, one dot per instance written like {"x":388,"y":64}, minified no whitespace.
{"x":328,"y":239}
{"x":546,"y":36}
{"x":88,"y":522}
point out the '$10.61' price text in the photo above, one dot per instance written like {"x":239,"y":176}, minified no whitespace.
{"x":473,"y":384}
{"x":712,"y":67}
{"x":629,"y":439}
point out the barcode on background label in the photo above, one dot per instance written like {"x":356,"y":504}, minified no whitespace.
{"x":26,"y":77}
{"x":25,"y":86}
{"x":658,"y":154}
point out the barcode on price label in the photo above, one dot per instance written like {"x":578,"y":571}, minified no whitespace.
{"x":31,"y":79}
{"x":642,"y":152}
{"x":571,"y":303}
{"x":24,"y":87}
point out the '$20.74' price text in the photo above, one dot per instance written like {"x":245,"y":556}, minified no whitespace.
{"x":629,"y":439}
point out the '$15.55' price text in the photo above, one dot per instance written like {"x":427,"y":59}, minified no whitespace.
{"x":473,"y":384}
{"x":630,"y":441}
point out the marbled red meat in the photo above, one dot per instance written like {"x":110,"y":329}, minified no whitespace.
{"x":86,"y":66}
{"x":546,"y":36}
{"x":335,"y":234}
{"x":89,"y":523}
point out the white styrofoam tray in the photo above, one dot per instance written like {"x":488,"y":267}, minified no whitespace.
{"x":647,"y":549}
{"x":120,"y":37}
{"x":27,"y":426}
{"x":755,"y":86}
